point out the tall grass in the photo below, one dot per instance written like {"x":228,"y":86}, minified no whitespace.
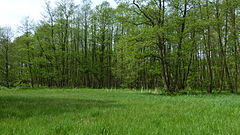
{"x":115,"y":112}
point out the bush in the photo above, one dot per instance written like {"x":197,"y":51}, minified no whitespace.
{"x":3,"y":87}
{"x":22,"y":84}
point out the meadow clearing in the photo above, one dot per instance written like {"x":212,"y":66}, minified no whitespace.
{"x":115,"y":112}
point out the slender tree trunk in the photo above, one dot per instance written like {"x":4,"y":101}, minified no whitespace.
{"x":228,"y":77}
{"x":7,"y":63}
{"x":209,"y":54}
{"x":234,"y":43}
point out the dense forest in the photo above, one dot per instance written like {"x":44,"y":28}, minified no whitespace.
{"x":169,"y":44}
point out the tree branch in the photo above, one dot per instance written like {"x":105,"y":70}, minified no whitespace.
{"x":144,"y":14}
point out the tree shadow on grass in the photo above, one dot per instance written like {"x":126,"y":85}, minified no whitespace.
{"x":25,"y":107}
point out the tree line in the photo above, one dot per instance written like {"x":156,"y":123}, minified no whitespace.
{"x":170,"y":44}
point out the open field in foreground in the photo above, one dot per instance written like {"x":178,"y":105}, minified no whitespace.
{"x":118,"y":112}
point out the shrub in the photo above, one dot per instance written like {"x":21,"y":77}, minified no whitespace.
{"x":3,"y":87}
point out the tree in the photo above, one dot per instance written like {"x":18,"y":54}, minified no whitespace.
{"x":175,"y":45}
{"x":26,"y":29}
{"x":5,"y":51}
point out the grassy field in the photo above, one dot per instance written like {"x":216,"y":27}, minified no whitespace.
{"x":117,"y":112}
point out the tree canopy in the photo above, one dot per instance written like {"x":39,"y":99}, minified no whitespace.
{"x":170,"y":44}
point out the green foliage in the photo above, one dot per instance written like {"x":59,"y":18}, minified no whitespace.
{"x":3,"y":88}
{"x":143,"y":44}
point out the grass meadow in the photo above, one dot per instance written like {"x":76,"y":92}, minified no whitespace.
{"x":116,"y":112}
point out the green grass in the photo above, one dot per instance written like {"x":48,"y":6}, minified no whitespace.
{"x":117,"y":112}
